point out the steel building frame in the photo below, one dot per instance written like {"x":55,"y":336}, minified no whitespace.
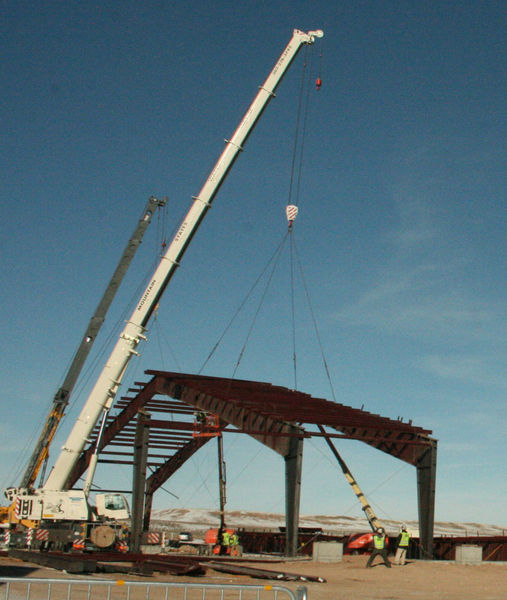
{"x":273,"y":415}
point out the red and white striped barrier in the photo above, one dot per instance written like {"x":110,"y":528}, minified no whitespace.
{"x":153,"y":537}
{"x":78,"y":544}
{"x":42,"y":535}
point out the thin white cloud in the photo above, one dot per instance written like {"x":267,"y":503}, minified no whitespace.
{"x":416,"y":224}
{"x":418,"y":302}
{"x":459,"y":448}
{"x":474,"y":368}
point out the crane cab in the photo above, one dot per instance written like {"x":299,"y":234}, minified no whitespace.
{"x":112,"y":506}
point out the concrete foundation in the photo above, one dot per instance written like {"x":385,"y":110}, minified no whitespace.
{"x":151,"y":548}
{"x":327,"y":551}
{"x":468,"y":554}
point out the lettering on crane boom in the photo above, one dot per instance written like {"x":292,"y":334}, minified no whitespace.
{"x":147,"y":293}
{"x":281,"y":59}
{"x":180,"y":232}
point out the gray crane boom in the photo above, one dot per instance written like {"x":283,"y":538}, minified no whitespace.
{"x":61,"y":397}
{"x":102,"y":396}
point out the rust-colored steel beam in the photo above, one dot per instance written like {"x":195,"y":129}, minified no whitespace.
{"x":111,"y":430}
{"x":264,"y":411}
{"x":162,"y":474}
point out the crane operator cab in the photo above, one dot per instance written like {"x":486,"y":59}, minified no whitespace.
{"x":112,"y":506}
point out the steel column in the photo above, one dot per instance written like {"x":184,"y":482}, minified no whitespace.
{"x":148,"y":503}
{"x":293,"y":468}
{"x":426,"y":485}
{"x":141,"y":446}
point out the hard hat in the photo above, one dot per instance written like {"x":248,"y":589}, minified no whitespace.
{"x":404,"y":527}
{"x":380,"y":530}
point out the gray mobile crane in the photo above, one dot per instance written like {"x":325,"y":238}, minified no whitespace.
{"x":61,"y":398}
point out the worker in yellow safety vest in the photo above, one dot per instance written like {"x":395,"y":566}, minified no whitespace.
{"x":403,"y":544}
{"x":379,"y":548}
{"x":226,"y":542}
{"x":234,"y":541}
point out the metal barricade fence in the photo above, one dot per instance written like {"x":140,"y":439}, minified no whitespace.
{"x":25,"y":588}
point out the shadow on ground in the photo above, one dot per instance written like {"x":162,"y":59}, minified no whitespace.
{"x":16,"y":571}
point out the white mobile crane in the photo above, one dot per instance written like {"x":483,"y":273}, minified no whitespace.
{"x":40,"y":454}
{"x":59,"y":509}
{"x":61,"y":397}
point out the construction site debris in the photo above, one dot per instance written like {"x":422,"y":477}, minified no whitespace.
{"x":261,"y":573}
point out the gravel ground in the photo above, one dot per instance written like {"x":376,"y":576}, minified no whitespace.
{"x":347,"y":580}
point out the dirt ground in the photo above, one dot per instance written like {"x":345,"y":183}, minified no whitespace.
{"x":424,"y":580}
{"x":349,"y":580}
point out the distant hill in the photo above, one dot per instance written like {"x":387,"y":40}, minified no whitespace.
{"x":197,"y":520}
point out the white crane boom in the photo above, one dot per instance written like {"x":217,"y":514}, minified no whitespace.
{"x":102,"y":396}
{"x":61,"y":398}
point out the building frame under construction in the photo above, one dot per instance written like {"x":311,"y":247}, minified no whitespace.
{"x":278,"y":417}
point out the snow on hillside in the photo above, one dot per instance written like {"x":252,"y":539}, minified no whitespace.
{"x":198,"y":520}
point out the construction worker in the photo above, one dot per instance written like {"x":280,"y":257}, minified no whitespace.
{"x":403,"y":544}
{"x":226,"y":542}
{"x":379,"y":548}
{"x":200,"y":416}
{"x":234,"y":541}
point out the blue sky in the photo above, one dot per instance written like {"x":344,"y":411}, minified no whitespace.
{"x":401,"y":231}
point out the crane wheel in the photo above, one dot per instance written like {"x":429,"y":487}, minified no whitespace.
{"x":103,"y":536}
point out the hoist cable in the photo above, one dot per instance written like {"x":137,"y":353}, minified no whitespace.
{"x":314,"y":321}
{"x":302,"y":110}
{"x":203,"y":484}
{"x":316,"y":328}
{"x":319,"y":71}
{"x":296,"y":137}
{"x":303,"y":105}
{"x":245,"y":465}
{"x":303,"y":135}
{"x":243,"y":302}
{"x":293,"y":311}
{"x":162,"y":487}
{"x":261,"y":302}
{"x":162,"y":229}
{"x":163,"y":342}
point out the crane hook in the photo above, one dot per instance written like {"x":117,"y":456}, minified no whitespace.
{"x":291,"y":212}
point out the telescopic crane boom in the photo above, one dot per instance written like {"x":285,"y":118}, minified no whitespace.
{"x":102,"y":396}
{"x":61,"y":397}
